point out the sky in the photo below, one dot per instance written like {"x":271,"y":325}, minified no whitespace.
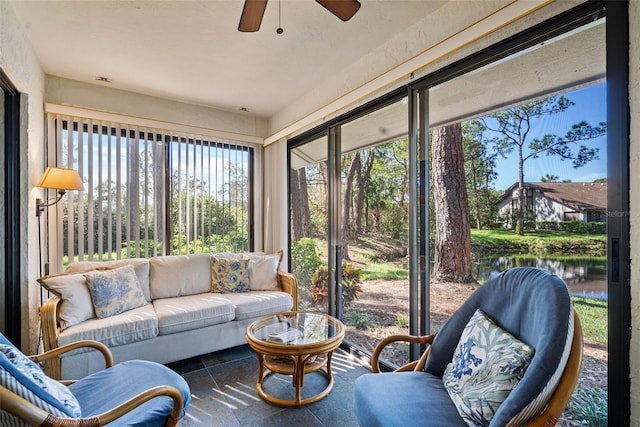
{"x":590,"y":105}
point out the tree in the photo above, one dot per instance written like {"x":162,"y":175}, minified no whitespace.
{"x":354,"y":166}
{"x":479,"y":166}
{"x":363,"y":178}
{"x":515,"y":125}
{"x":452,"y":261}
{"x":300,"y":213}
{"x":550,"y":178}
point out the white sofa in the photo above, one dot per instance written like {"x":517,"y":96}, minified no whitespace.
{"x":181,"y":318}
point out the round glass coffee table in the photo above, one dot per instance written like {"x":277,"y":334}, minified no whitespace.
{"x":295,"y":343}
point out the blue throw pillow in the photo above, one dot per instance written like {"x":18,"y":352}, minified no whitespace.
{"x":487,"y":364}
{"x":23,"y":377}
{"x":115,"y":291}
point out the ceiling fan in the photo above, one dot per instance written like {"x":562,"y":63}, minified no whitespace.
{"x":253,"y":11}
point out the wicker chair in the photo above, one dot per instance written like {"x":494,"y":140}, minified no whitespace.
{"x":535,"y":308}
{"x":134,"y":392}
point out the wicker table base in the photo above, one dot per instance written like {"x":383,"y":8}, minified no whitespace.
{"x":310,"y":353}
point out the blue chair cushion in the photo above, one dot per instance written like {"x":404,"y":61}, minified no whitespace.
{"x":404,"y":399}
{"x":26,"y":379}
{"x":535,"y":307}
{"x":106,"y":389}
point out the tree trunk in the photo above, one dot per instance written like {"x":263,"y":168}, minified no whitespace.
{"x":453,"y":235}
{"x":300,"y":215}
{"x":346,"y":205}
{"x":521,"y":193}
{"x":363,"y":180}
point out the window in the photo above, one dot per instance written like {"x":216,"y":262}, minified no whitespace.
{"x":148,"y":192}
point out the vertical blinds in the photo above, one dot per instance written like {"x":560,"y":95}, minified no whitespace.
{"x":148,"y":192}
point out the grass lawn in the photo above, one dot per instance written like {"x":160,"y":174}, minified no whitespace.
{"x":537,"y":242}
{"x":593,"y":317}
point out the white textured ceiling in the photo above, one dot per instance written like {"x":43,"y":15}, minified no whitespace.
{"x":191,"y":50}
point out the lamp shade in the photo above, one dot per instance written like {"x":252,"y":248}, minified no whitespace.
{"x":61,"y":179}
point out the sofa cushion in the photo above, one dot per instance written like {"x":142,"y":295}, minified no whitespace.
{"x":229,"y":275}
{"x":401,"y":399}
{"x":179,"y":275}
{"x":114,"y":291}
{"x":192,"y":312}
{"x":141,"y":266}
{"x":249,"y":305}
{"x":263,"y":271}
{"x":76,"y":305}
{"x":134,"y":325}
{"x":124,"y":381}
{"x":488,"y":363}
{"x":23,"y":377}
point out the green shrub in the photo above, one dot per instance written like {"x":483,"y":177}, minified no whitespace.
{"x":579,"y":227}
{"x":351,"y":279}
{"x":305,"y":260}
{"x":588,"y":407}
{"x":401,"y":321}
{"x":362,"y":320}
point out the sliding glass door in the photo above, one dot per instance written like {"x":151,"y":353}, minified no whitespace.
{"x":374,"y":222}
{"x":504,"y":138}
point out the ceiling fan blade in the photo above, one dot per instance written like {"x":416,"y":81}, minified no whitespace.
{"x":343,"y":9}
{"x":251,"y":17}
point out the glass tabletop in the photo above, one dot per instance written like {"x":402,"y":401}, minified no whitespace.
{"x":297,"y":328}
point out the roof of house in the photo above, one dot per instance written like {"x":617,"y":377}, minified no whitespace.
{"x":581,"y":196}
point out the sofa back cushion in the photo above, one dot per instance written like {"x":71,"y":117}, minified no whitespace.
{"x":263,"y":270}
{"x":76,"y":305}
{"x":140,"y":265}
{"x":179,"y":275}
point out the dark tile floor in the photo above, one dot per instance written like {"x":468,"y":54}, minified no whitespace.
{"x":223,"y":392}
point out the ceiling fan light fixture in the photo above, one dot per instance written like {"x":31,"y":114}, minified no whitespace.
{"x":253,"y":11}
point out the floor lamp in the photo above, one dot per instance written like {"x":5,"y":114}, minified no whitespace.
{"x":59,"y":179}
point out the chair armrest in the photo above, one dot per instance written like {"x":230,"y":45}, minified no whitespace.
{"x":49,"y":322}
{"x":416,"y":365}
{"x":562,"y":394}
{"x":23,"y":409}
{"x":50,"y":333}
{"x":33,"y":415}
{"x":289,"y":284}
{"x":106,"y":353}
{"x":53,"y":355}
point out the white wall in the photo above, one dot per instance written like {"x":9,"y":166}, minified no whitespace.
{"x":634,"y":196}
{"x":276,"y":219}
{"x":18,"y":61}
{"x":549,"y":210}
{"x":103,"y":98}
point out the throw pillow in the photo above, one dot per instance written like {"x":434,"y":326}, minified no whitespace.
{"x":23,"y":377}
{"x":229,"y":274}
{"x":263,"y":271}
{"x":115,"y":291}
{"x":487,"y":364}
{"x":76,"y":305}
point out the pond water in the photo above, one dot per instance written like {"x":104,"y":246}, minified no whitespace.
{"x":586,"y":277}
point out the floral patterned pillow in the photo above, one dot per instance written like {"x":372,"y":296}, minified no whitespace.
{"x":487,"y":364}
{"x":115,"y":291}
{"x":229,"y":274}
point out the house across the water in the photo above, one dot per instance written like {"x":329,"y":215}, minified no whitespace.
{"x":557,"y":201}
